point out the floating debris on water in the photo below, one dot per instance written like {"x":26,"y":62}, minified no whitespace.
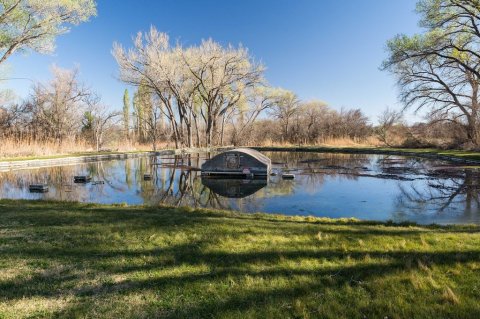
{"x":81,"y":179}
{"x":98,"y":182}
{"x":288,"y":176}
{"x":147,"y":177}
{"x":38,"y":188}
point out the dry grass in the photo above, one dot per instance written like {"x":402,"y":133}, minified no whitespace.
{"x":11,"y":148}
{"x":371,"y":141}
{"x":348,"y":142}
{"x":27,"y":147}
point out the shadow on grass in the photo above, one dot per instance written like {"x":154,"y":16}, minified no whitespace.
{"x":71,"y":251}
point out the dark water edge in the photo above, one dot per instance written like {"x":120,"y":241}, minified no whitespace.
{"x":364,"y":186}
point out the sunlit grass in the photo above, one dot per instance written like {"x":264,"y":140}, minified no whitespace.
{"x":93,"y":261}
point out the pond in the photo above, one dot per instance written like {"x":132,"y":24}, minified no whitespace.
{"x":369,"y":187}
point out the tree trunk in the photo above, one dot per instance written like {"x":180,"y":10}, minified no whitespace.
{"x":223,"y":130}
{"x":473,"y":132}
{"x":208,"y":132}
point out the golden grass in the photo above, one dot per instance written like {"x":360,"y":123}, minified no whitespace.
{"x":371,"y":141}
{"x":28,"y":147}
{"x":11,"y":148}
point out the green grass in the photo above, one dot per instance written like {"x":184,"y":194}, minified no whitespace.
{"x":92,"y":261}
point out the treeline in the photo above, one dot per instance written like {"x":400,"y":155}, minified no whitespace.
{"x":209,"y":95}
{"x":64,"y":109}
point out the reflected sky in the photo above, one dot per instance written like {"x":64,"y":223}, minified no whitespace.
{"x":373,"y":187}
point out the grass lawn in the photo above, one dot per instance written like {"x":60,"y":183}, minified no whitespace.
{"x":92,"y":261}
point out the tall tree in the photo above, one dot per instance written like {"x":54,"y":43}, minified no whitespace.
{"x":213,"y":75}
{"x":440,"y":68}
{"x":126,"y":113}
{"x":222,"y":76}
{"x":101,"y":120}
{"x":34,"y":24}
{"x":58,"y":105}
{"x":286,"y":106}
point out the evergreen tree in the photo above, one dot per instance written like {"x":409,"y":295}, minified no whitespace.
{"x":126,"y":113}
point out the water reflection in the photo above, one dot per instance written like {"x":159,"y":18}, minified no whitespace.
{"x":334,"y":185}
{"x":234,"y":188}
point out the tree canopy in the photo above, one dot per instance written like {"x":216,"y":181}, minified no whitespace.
{"x":440,"y":68}
{"x":34,"y":24}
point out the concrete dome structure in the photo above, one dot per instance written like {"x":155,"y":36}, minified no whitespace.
{"x":240,"y":162}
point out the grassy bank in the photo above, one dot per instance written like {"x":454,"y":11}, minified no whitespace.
{"x":458,"y":155}
{"x":91,"y":261}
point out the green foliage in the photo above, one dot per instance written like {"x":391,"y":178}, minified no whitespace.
{"x":143,"y":107}
{"x":73,"y":260}
{"x":87,"y":121}
{"x":440,"y":68}
{"x":34,"y":24}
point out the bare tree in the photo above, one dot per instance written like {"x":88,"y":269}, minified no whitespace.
{"x":58,"y":105}
{"x":386,"y":121}
{"x":313,"y":112}
{"x":200,"y":82}
{"x":257,"y":101}
{"x":440,"y":69}
{"x":221,"y":76}
{"x":102,"y":120}
{"x":286,"y":106}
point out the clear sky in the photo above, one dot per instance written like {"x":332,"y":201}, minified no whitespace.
{"x":321,"y":49}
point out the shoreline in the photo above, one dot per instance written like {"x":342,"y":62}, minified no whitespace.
{"x":456,"y":156}
{"x":49,"y":161}
{"x":272,"y":217}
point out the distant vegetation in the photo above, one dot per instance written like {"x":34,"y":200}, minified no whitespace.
{"x":209,"y":95}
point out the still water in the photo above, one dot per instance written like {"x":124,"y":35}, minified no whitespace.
{"x":371,"y":187}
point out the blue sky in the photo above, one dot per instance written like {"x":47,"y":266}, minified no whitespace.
{"x":321,"y":49}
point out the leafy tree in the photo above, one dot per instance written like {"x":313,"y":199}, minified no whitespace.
{"x":34,"y":24}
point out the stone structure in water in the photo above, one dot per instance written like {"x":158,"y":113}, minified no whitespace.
{"x":239,"y":162}
{"x":234,"y":187}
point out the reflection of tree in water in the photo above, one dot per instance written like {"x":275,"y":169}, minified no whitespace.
{"x":172,"y":184}
{"x":312,"y":169}
{"x":445,"y":190}
{"x":176,"y":183}
{"x":430,"y":185}
{"x":15,"y":184}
